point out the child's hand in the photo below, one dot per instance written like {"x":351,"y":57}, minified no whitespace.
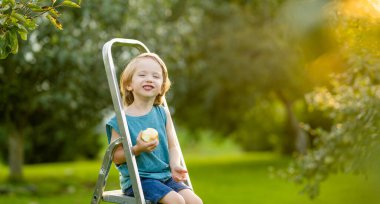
{"x":142,"y":146}
{"x":179,"y":173}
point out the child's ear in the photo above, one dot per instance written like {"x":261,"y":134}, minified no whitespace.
{"x":129,"y":88}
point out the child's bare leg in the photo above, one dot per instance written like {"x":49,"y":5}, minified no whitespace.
{"x":190,"y":197}
{"x":172,"y":198}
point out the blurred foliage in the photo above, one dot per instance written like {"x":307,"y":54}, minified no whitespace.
{"x":224,"y":79}
{"x":351,"y":101}
{"x":264,"y":136}
{"x":244,"y":54}
{"x":51,"y":90}
{"x":18,"y":18}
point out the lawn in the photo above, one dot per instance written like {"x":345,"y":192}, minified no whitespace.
{"x":234,"y":178}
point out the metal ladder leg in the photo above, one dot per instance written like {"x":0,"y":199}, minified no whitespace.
{"x":104,"y":171}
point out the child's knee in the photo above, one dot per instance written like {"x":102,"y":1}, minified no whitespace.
{"x":173,"y":198}
{"x":190,"y":197}
{"x":195,"y":200}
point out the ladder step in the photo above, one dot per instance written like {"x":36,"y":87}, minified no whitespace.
{"x":117,"y":196}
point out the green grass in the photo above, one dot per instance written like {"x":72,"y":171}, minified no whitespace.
{"x":230,"y":178}
{"x":245,"y":178}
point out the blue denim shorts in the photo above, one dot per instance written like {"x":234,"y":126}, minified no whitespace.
{"x":154,"y":190}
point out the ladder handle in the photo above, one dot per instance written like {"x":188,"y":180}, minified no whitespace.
{"x":121,"y":119}
{"x":121,"y":41}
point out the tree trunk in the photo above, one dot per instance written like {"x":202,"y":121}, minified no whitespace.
{"x":16,"y":156}
{"x":297,"y":139}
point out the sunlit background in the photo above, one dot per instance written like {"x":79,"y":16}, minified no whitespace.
{"x":274,"y":101}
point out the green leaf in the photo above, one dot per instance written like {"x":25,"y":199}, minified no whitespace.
{"x":54,"y":13}
{"x":22,"y":31}
{"x":7,"y":9}
{"x":3,"y":47}
{"x":19,"y":17}
{"x":54,"y":21}
{"x":70,"y":4}
{"x":32,"y":5}
{"x":35,"y":8}
{"x":3,"y":18}
{"x":31,"y":24}
{"x":12,"y":2}
{"x":12,"y":41}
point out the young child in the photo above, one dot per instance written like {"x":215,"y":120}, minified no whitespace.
{"x":143,"y":84}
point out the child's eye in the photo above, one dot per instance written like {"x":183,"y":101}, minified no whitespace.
{"x":141,"y":75}
{"x":156,"y":76}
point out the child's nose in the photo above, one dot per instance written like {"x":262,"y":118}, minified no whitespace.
{"x":149,"y":79}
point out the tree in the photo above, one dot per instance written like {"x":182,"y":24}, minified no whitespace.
{"x":18,"y":18}
{"x":248,"y":53}
{"x":50,"y":97}
{"x":351,"y":101}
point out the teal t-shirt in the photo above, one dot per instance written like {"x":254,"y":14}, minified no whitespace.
{"x":154,"y":164}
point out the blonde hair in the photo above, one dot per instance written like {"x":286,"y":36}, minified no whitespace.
{"x":130,"y":69}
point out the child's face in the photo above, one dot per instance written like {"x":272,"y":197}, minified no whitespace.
{"x":147,"y":79}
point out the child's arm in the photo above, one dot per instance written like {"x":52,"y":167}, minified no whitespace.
{"x":178,"y":172}
{"x":141,"y":146}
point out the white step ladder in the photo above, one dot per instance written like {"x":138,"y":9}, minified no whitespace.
{"x":117,"y":196}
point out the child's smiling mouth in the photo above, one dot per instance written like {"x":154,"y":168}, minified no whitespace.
{"x":148,"y":87}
